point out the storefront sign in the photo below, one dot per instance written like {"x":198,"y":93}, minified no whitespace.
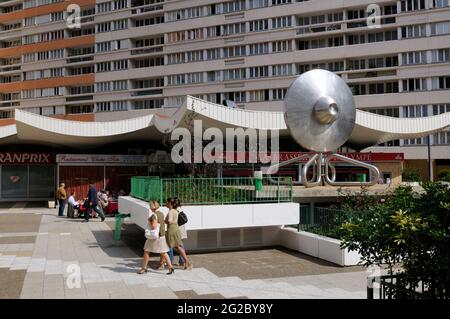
{"x":106,"y":159}
{"x":26,"y":158}
{"x":284,"y":156}
{"x":363,"y":157}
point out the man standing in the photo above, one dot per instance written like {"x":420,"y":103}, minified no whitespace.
{"x":93,"y":203}
{"x":61,"y":196}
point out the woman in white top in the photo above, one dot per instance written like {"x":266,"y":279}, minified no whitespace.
{"x":156,"y":241}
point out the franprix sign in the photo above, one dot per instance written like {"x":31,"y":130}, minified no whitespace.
{"x":26,"y":158}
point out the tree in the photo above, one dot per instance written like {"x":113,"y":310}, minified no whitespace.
{"x":410,"y":230}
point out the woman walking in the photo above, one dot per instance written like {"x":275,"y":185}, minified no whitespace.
{"x":156,"y":240}
{"x":173,"y":235}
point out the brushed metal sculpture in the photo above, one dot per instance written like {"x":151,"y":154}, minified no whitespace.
{"x":320,"y":114}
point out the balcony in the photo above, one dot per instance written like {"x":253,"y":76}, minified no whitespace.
{"x":147,"y":8}
{"x":316,"y":29}
{"x":147,"y":92}
{"x":80,"y":59}
{"x":147,"y":50}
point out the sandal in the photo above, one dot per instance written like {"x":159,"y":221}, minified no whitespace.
{"x":142,"y":271}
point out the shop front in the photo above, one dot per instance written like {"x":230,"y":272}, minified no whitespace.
{"x":390,"y":166}
{"x":110,"y":172}
{"x":27,"y":176}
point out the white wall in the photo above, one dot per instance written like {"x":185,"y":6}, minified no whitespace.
{"x":220,"y":216}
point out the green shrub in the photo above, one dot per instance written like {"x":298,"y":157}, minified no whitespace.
{"x":444,"y":176}
{"x":411,"y":175}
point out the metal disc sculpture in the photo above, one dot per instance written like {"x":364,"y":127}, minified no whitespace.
{"x":320,"y":114}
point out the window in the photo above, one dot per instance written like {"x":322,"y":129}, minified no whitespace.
{"x":234,"y":74}
{"x":417,"y":57}
{"x":212,"y":76}
{"x":103,"y":86}
{"x":235,"y":28}
{"x":119,"y":105}
{"x":413,"y":31}
{"x":412,"y":5}
{"x":440,"y":55}
{"x":56,"y":16}
{"x":232,"y":52}
{"x":441,"y":138}
{"x":233,"y":6}
{"x":192,"y":78}
{"x":120,"y":4}
{"x":120,"y":65}
{"x":259,"y":25}
{"x":103,"y":7}
{"x":440,"y":28}
{"x":194,"y":56}
{"x":254,"y":4}
{"x":282,"y":46}
{"x":120,"y":24}
{"x":440,"y":3}
{"x":259,"y":95}
{"x":281,"y":22}
{"x":282,"y":70}
{"x":278,"y":94}
{"x":103,"y":106}
{"x":148,"y":104}
{"x":415,"y":111}
{"x":119,"y":85}
{"x":104,"y":46}
{"x":440,"y":108}
{"x":213,"y":54}
{"x":259,"y":48}
{"x":411,"y":85}
{"x":259,"y":72}
{"x":440,"y":83}
{"x":104,"y":66}
{"x":104,"y":27}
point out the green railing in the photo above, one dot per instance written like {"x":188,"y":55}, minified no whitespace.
{"x":212,"y":191}
{"x":321,"y":221}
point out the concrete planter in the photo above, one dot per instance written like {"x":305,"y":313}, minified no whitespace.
{"x":318,"y":246}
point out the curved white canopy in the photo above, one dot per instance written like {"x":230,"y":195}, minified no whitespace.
{"x":370,"y":129}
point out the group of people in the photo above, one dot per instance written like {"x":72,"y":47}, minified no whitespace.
{"x":164,"y":235}
{"x":96,"y":201}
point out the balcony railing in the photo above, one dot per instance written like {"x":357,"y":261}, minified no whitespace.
{"x":213,"y":191}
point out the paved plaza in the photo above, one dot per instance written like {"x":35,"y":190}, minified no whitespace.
{"x":38,"y":251}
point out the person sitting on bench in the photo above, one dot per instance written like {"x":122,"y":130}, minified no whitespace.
{"x":73,"y":202}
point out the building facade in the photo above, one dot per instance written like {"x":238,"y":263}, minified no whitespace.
{"x":139,"y":55}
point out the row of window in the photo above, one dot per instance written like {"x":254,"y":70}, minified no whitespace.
{"x":231,"y":74}
{"x":223,"y":8}
{"x":42,"y":19}
{"x":43,"y":74}
{"x":43,"y":92}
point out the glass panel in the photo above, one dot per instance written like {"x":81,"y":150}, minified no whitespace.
{"x":42,"y":181}
{"x":14,"y":181}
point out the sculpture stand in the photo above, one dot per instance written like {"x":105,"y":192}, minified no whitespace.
{"x":322,"y":167}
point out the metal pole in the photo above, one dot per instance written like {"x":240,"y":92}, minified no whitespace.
{"x":430,"y":163}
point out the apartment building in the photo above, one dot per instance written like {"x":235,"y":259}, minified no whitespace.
{"x":128,"y":55}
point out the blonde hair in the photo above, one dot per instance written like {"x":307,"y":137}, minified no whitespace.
{"x":154,"y":205}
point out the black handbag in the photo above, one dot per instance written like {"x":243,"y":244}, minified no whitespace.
{"x":182,"y":218}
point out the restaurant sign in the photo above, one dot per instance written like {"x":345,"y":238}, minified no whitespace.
{"x":100,"y":159}
{"x":26,"y":158}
